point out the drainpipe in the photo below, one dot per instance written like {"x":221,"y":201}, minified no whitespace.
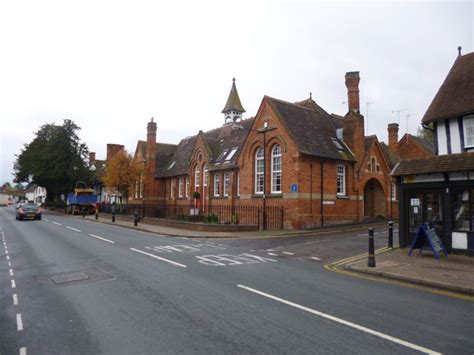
{"x":321,"y":200}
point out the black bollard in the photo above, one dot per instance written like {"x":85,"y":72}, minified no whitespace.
{"x":83,"y":212}
{"x":96,"y":213}
{"x":113,"y":216}
{"x":371,"y":255}
{"x":390,"y":234}
{"x":135,"y":218}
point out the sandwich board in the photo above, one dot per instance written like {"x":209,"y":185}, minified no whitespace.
{"x":428,"y":236}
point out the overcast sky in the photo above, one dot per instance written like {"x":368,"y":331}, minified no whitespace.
{"x":112,"y":65}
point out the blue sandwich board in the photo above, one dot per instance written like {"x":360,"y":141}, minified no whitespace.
{"x":424,"y":235}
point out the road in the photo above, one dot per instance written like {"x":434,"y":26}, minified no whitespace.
{"x":70,"y":286}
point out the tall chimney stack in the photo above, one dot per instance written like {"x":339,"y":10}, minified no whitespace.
{"x":352,"y":84}
{"x":150,"y":160}
{"x":393,"y":136}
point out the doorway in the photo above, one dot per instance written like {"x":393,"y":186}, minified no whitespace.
{"x":374,"y":200}
{"x":425,"y":207}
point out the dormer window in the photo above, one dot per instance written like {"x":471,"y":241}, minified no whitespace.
{"x":231,"y":154}
{"x":221,"y":156}
{"x":468,"y":124}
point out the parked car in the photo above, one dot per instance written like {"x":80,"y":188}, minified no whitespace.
{"x":28,"y":210}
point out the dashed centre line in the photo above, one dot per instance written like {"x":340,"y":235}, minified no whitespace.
{"x":288,"y":253}
{"x":15,"y":299}
{"x":11,"y":272}
{"x":23,"y":351}
{"x":19,"y":322}
{"x":56,"y":223}
{"x":102,"y":238}
{"x":13,"y":284}
{"x":74,"y":229}
{"x":158,"y":257}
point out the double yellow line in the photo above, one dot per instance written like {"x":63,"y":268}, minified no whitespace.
{"x":336,"y":267}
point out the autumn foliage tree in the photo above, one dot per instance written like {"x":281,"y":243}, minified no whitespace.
{"x":121,"y":173}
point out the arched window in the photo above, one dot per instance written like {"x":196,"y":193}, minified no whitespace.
{"x":276,"y":169}
{"x":206,"y":175}
{"x":197,"y":178}
{"x":259,"y":173}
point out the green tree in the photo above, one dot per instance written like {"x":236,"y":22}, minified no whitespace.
{"x":55,"y":159}
{"x":121,"y":173}
{"x":426,"y":133}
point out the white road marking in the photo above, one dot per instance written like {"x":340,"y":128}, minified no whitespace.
{"x":8,"y":257}
{"x":6,"y":251}
{"x":11,"y":272}
{"x":74,"y":229}
{"x":315,"y":258}
{"x":47,"y":220}
{"x":102,"y":238}
{"x":56,"y":223}
{"x":13,"y":284}
{"x":272,"y":254}
{"x":288,"y":253}
{"x":344,"y":322}
{"x":19,"y":322}
{"x":158,"y":257}
{"x":15,"y":299}
{"x":22,"y":351}
{"x":9,"y":264}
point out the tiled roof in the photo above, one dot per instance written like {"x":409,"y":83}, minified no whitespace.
{"x":390,"y":156}
{"x":217,"y":141}
{"x":455,"y":97}
{"x":164,"y":152}
{"x":312,"y":129}
{"x":99,"y":171}
{"x":233,"y":101}
{"x":436,"y":164}
{"x":423,"y":143}
{"x":369,"y":140}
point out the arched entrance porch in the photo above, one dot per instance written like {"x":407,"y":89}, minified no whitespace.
{"x":374,"y":200}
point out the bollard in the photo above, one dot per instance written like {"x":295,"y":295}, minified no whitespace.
{"x":390,"y":234}
{"x":83,"y":212}
{"x":96,"y":213}
{"x":113,"y":216}
{"x":135,"y":218}
{"x":371,"y":254}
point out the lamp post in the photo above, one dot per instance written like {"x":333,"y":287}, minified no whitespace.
{"x":263,"y":132}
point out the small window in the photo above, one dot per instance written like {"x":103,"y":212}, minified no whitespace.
{"x":337,"y":144}
{"x":378,"y":167}
{"x":468,"y":124}
{"x":221,"y":156}
{"x":394,"y":191}
{"x":217,"y":185}
{"x":341,"y":180}
{"x":231,"y":154}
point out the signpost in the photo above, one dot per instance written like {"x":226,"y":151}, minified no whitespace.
{"x":424,"y":235}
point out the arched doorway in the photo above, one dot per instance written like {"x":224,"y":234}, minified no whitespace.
{"x":374,"y":200}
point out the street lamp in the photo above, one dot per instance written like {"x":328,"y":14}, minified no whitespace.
{"x":263,"y":132}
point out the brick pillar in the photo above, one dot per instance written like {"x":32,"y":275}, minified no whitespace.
{"x":393,"y":136}
{"x":352,"y":84}
{"x":353,"y":132}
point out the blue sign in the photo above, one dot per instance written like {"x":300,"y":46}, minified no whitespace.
{"x":426,"y":236}
{"x":294,"y":187}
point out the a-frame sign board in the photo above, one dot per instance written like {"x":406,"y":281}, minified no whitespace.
{"x":424,"y":235}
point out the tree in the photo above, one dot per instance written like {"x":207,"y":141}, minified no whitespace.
{"x":55,"y":159}
{"x":426,"y":133}
{"x":121,"y":173}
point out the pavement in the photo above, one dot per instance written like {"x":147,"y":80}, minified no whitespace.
{"x":454,"y":273}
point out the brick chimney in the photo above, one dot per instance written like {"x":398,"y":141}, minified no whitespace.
{"x":352,"y":84}
{"x":91,"y":158}
{"x":393,"y":136}
{"x":150,"y":160}
{"x":353,"y":133}
{"x":113,"y":149}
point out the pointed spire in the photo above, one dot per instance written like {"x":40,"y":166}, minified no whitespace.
{"x":233,"y":102}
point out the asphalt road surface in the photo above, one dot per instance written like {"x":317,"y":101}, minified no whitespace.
{"x":69,"y":286}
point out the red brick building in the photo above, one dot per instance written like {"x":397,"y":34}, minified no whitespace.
{"x":295,"y":158}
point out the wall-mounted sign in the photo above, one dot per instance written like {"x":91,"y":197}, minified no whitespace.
{"x":294,"y":187}
{"x":414,"y":202}
{"x":328,"y":202}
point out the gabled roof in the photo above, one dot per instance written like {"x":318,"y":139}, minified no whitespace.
{"x":312,"y":129}
{"x":99,"y":171}
{"x":455,"y":97}
{"x":217,"y":141}
{"x":368,"y":141}
{"x":391,"y":157}
{"x":437,"y":164}
{"x":423,"y":143}
{"x":233,"y":101}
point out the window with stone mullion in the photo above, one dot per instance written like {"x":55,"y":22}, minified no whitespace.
{"x":259,"y":172}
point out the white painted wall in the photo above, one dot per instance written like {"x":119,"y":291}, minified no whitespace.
{"x":455,"y":137}
{"x":442,"y":141}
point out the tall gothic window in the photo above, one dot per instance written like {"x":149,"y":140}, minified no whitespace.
{"x":206,"y":175}
{"x":276,"y":169}
{"x":259,"y":172}
{"x":226,"y":184}
{"x":180,"y":187}
{"x":197,"y":178}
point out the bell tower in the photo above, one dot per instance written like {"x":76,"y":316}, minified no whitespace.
{"x":233,"y":108}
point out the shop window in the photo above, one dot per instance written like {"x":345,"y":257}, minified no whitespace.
{"x":462,"y":210}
